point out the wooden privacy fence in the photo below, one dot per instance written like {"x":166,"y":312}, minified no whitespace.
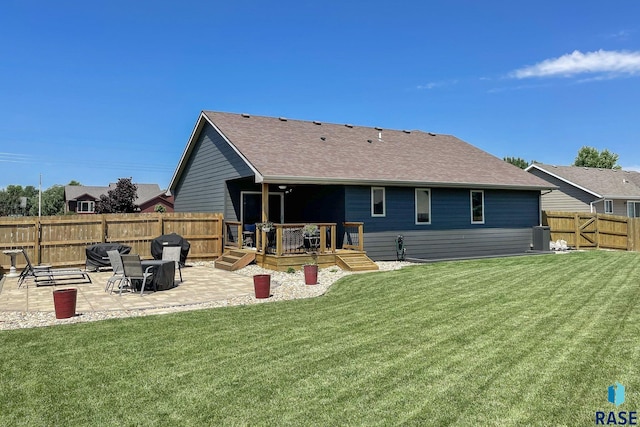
{"x":61,"y":240}
{"x":583,"y":230}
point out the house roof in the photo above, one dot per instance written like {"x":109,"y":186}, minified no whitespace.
{"x":602,"y":183}
{"x":145,"y":192}
{"x":285,"y":151}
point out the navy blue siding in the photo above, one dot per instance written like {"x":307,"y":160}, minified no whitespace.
{"x":201,"y":187}
{"x":450,"y":209}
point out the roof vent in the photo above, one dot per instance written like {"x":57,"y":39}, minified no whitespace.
{"x":245,"y":115}
{"x":378,"y":128}
{"x":324,"y":138}
{"x":315,"y":122}
{"x":625,"y":181}
{"x":282,"y":119}
{"x":349,"y":125}
{"x":432,"y":134}
{"x":369,"y":141}
{"x":406,"y":131}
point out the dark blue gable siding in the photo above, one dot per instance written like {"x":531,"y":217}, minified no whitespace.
{"x":450,"y":209}
{"x":201,"y":187}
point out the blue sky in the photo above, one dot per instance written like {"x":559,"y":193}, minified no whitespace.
{"x":98,"y":90}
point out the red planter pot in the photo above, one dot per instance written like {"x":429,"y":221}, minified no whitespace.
{"x":64,"y":302}
{"x":262,"y":285}
{"x":310,"y":274}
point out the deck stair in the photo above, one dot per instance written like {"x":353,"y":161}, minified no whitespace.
{"x":355,"y":262}
{"x":235,"y":260}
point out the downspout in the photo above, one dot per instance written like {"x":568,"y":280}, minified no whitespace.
{"x":540,"y":205}
{"x":595,"y":201}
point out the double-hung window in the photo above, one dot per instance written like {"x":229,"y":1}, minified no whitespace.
{"x":608,"y":206}
{"x":477,"y":207}
{"x":423,"y":206}
{"x":378,"y":203}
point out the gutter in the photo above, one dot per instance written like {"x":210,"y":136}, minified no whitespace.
{"x":595,"y":201}
{"x":380,"y":182}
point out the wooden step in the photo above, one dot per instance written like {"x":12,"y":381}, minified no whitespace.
{"x":235,"y":260}
{"x":356,"y":262}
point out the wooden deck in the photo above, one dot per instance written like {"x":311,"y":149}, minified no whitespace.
{"x":284,"y":253}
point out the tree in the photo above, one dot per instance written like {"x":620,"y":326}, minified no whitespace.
{"x":592,"y":158}
{"x":517,"y":161}
{"x":119,"y":200}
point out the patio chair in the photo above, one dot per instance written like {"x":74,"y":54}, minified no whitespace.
{"x":172,"y":253}
{"x":118,"y":270}
{"x":44,"y":273}
{"x":132,"y":268}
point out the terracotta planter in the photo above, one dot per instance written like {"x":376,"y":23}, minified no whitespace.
{"x":310,"y":274}
{"x":262,"y":285}
{"x":64,"y":302}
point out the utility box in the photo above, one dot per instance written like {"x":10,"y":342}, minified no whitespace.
{"x":541,"y":238}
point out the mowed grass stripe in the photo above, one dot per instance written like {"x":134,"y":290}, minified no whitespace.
{"x":524,"y":340}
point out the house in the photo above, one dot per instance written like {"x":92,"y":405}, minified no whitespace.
{"x":448,"y":199}
{"x":81,"y":198}
{"x":582,"y":189}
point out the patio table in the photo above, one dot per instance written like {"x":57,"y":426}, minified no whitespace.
{"x":164,"y":272}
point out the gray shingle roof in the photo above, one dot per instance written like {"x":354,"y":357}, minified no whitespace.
{"x":283,"y":150}
{"x":145,"y":192}
{"x":609,"y":183}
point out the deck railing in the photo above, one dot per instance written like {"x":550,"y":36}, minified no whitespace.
{"x":354,"y":238}
{"x":288,"y":239}
{"x":233,"y":237}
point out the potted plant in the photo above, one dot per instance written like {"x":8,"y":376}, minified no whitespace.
{"x":266,"y":226}
{"x":311,"y":234}
{"x":310,"y":230}
{"x":310,"y":272}
{"x":262,"y":285}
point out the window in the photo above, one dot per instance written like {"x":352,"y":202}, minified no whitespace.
{"x":378,"y":207}
{"x":86,"y":206}
{"x":423,"y":206}
{"x":477,"y":207}
{"x":608,"y":206}
{"x":633,"y":209}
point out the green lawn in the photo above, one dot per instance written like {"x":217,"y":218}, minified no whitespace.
{"x":514,"y":341}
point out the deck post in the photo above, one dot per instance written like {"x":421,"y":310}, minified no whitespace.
{"x":265,"y":215}
{"x":361,"y":237}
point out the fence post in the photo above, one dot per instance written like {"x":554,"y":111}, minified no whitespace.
{"x":36,"y":243}
{"x":597,"y":233}
{"x":577,"y":231}
{"x":104,"y":230}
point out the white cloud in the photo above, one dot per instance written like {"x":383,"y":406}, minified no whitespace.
{"x":609,"y":63}
{"x":433,"y":85}
{"x":620,"y":35}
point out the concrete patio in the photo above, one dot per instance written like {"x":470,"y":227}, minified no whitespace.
{"x":201,"y":284}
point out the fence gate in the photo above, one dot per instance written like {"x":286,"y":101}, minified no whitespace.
{"x":590,"y":230}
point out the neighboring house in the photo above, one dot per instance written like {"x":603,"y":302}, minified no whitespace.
{"x":447,"y":198}
{"x":582,"y":189}
{"x":82,"y":199}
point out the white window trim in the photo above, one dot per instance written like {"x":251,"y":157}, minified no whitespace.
{"x":384,"y":202}
{"x":471,"y":205}
{"x":415,"y":206}
{"x":91,"y":204}
{"x":605,"y":206}
{"x":629,"y":204}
